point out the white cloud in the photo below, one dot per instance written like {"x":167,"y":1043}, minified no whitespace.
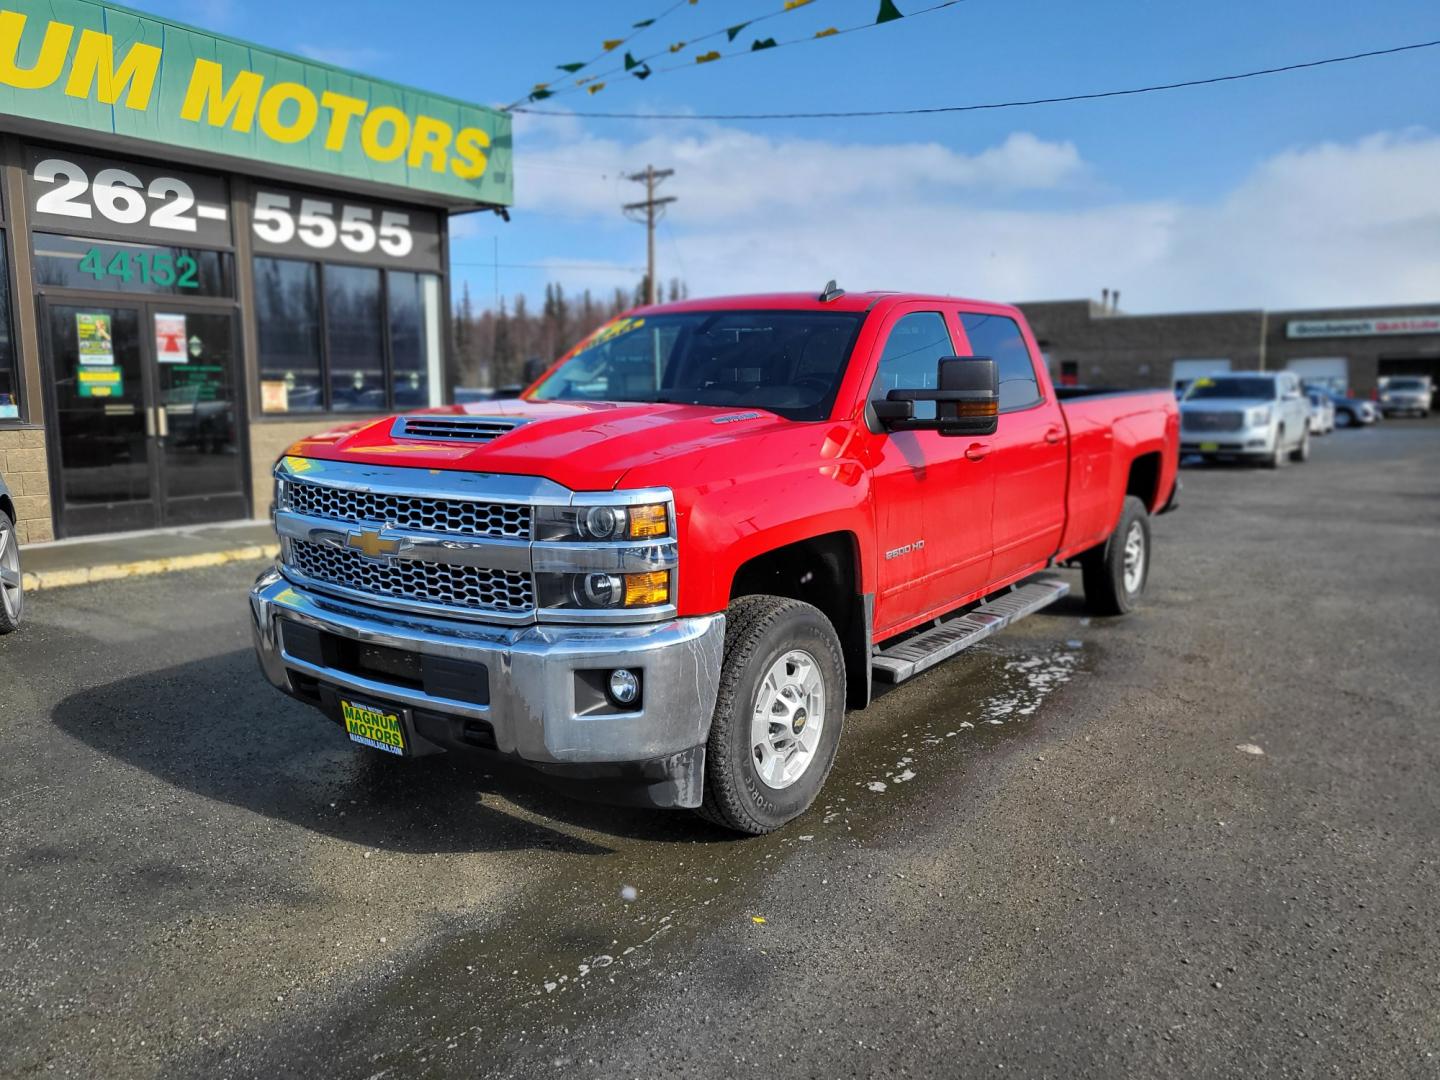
{"x":1319,"y":225}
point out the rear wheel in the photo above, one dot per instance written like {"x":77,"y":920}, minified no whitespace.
{"x":1115,"y":572}
{"x":1344,"y":418}
{"x":12,"y":590}
{"x":778,"y":714}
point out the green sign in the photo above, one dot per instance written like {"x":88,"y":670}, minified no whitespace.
{"x":100,"y":382}
{"x":92,"y":334}
{"x":88,"y":65}
{"x":160,"y":267}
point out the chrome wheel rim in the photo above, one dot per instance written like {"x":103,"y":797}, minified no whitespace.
{"x":12,"y":595}
{"x":1134,"y":557}
{"x":787,"y":719}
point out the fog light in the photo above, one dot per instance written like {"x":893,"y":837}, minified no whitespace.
{"x":624,"y":686}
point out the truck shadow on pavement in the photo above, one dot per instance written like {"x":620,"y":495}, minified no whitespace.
{"x":215,"y":728}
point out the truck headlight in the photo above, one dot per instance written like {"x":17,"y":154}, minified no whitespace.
{"x":1255,"y":417}
{"x":602,"y":523}
{"x":598,"y":591}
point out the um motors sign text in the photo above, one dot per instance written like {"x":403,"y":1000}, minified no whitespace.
{"x":79,"y":63}
{"x":1383,"y":326}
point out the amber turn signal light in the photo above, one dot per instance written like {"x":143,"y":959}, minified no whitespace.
{"x":647,"y":521}
{"x":647,"y":590}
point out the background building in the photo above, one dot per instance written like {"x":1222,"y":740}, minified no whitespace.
{"x":1348,"y":348}
{"x":210,"y":249}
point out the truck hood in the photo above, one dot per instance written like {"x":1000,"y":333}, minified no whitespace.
{"x":585,"y":445}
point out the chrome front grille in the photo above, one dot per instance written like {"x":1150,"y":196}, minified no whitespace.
{"x":408,"y":512}
{"x":469,"y":587}
{"x":1196,"y":420}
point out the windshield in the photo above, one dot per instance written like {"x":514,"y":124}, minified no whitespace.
{"x":787,"y":362}
{"x":1406,"y":384}
{"x":1231,"y":387}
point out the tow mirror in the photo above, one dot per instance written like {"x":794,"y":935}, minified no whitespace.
{"x":967,"y":400}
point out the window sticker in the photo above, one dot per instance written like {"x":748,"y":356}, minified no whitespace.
{"x":170,"y":339}
{"x":92,"y":331}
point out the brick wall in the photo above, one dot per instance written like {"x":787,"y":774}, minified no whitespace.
{"x":22,"y":464}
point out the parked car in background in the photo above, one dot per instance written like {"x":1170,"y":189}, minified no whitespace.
{"x":1408,"y":394}
{"x":12,"y":592}
{"x":1351,"y":412}
{"x":1322,"y":412}
{"x":1260,"y":416}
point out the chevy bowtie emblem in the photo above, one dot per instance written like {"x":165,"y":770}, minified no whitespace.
{"x":372,"y":544}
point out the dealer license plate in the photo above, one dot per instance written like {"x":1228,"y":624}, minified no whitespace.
{"x":1209,"y":446}
{"x":374,"y":727}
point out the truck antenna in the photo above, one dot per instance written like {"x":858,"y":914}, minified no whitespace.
{"x":831,"y":292}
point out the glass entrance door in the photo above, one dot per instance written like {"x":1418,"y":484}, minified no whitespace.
{"x":146,"y":415}
{"x":202,"y":476}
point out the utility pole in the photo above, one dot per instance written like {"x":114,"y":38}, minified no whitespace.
{"x":652,"y":210}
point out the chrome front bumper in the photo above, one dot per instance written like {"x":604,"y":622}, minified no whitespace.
{"x":534,"y":674}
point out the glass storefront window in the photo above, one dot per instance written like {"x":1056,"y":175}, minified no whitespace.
{"x":71,"y":262}
{"x":9,"y":382}
{"x":287,"y":311}
{"x":347,"y":338}
{"x":355,"y":341}
{"x":414,"y":307}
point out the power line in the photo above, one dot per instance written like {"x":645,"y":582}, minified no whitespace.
{"x":862,"y":113}
{"x":553,"y":266}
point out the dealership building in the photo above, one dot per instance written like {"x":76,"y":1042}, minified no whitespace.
{"x":207,"y":250}
{"x":1347,"y":349}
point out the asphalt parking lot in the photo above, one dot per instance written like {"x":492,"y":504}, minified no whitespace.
{"x":1058,"y":855}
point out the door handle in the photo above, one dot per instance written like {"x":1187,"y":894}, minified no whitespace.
{"x":977,"y":450}
{"x":164,"y":415}
{"x":150,"y":421}
{"x":1054,"y":434}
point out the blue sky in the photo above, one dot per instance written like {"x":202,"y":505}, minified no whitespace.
{"x":1319,"y":187}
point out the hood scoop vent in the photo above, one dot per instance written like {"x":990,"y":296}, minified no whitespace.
{"x":476,"y":429}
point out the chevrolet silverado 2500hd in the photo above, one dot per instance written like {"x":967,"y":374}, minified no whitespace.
{"x":668,"y":568}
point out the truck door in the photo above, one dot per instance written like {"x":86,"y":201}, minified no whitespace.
{"x":932,"y":493}
{"x":1029,"y":454}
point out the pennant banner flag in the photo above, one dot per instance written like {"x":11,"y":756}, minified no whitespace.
{"x":827,"y":32}
{"x":734,"y":31}
{"x":767,"y":43}
{"x":888,"y":12}
{"x":705,"y":58}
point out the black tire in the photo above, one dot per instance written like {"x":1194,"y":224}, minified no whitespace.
{"x":1102,"y":568}
{"x":759,"y":631}
{"x":1302,"y":452}
{"x":12,"y":604}
{"x":1278,"y":457}
{"x":1344,"y":418}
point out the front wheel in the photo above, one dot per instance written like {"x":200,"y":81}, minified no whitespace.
{"x":1115,"y":572}
{"x":1344,"y":418}
{"x":1302,"y":452}
{"x":1278,"y":456}
{"x":778,"y":714}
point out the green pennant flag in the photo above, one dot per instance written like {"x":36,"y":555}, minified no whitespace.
{"x":643,"y":23}
{"x":734,"y":31}
{"x":766,"y":43}
{"x":540,"y":95}
{"x":643,"y":73}
{"x":630,"y":62}
{"x":571,"y":68}
{"x":888,"y":12}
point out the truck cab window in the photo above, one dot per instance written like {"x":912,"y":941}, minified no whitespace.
{"x":1000,"y":339}
{"x":913,"y":351}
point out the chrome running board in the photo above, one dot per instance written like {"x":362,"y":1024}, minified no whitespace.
{"x":924,"y":651}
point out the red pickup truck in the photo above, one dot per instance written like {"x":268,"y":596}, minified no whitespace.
{"x":666,"y":571}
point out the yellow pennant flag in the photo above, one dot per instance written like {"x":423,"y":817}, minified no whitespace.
{"x":613,"y":43}
{"x":705,"y":58}
{"x":791,"y":5}
{"x":596,"y":88}
{"x":827,"y":32}
{"x":677,"y":46}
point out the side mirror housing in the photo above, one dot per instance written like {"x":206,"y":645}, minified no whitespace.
{"x":967,"y":400}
